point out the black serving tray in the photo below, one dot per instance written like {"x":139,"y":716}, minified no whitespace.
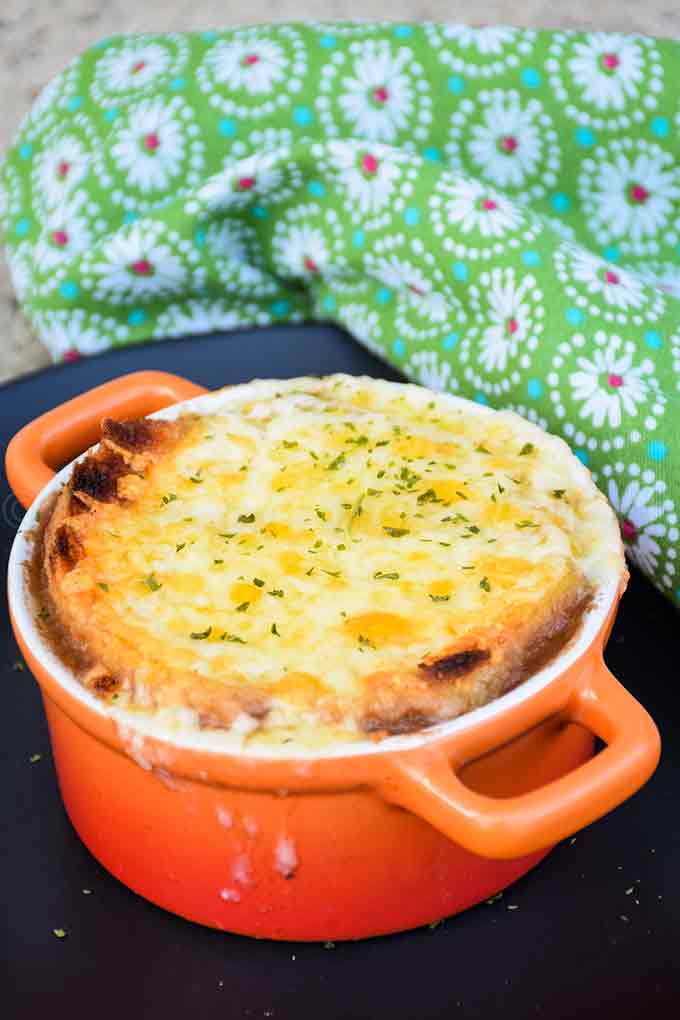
{"x":595,"y":929}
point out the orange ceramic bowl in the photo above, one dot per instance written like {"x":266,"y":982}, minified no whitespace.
{"x":354,"y":842}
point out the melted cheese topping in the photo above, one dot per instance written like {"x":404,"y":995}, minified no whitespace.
{"x":321,"y":532}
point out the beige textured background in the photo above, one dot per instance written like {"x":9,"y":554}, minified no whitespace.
{"x":37,"y":39}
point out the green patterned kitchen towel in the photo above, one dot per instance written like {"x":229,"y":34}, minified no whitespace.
{"x":496,"y":211}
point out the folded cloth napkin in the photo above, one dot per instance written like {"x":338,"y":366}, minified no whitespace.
{"x":494,"y":210}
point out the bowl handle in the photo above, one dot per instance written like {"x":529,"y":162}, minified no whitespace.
{"x":55,"y":438}
{"x":425,"y":782}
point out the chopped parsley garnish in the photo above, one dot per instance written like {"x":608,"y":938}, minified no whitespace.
{"x":429,"y":496}
{"x":230,"y":637}
{"x":397,"y":532}
{"x":408,"y":477}
{"x":273,"y":630}
{"x":482,"y":449}
{"x":102,"y":585}
{"x":196,"y":479}
{"x":461,"y":494}
{"x":380,"y":575}
{"x":276,"y":592}
{"x":321,"y":514}
{"x":527,"y":448}
{"x":152,"y":583}
{"x":243,"y":607}
{"x":179,"y":546}
{"x":246,"y":518}
{"x":383,"y":442}
{"x":331,"y":573}
{"x":359,"y":441}
{"x":484,"y":584}
{"x":337,"y":462}
{"x":526,"y":524}
{"x":559,"y":493}
{"x":290,"y":444}
{"x":473,"y":528}
{"x":440,"y":598}
{"x":200,"y":635}
{"x":169,"y":498}
{"x":217,"y":562}
{"x":258,"y":582}
{"x":365,"y":642}
{"x":43,"y":614}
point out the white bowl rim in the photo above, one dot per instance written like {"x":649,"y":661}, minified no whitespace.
{"x":220,"y":742}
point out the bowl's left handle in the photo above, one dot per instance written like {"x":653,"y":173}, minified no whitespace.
{"x":55,"y":438}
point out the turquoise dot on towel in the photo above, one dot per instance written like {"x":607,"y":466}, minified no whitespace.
{"x":110,"y":114}
{"x":531,"y":77}
{"x":383,"y":296}
{"x":199,"y":237}
{"x":560,"y":202}
{"x":316,"y":188}
{"x":459,"y":270}
{"x":433,"y":154}
{"x":585,"y":137}
{"x":403,"y":31}
{"x":259,"y":212}
{"x":660,"y":127}
{"x":227,"y":127}
{"x":26,"y":150}
{"x":136,"y":317}
{"x":358,"y":238}
{"x":130,"y":216}
{"x":531,"y":258}
{"x":534,"y":388}
{"x":456,"y":84}
{"x":582,"y":455}
{"x":177,"y":84}
{"x":69,"y":290}
{"x":399,"y":347}
{"x":657,"y":450}
{"x":411,"y":217}
{"x":611,"y":253}
{"x":22,"y":226}
{"x":303,"y":116}
{"x":329,"y":303}
{"x":450,"y":341}
{"x":75,"y":103}
{"x":209,"y":36}
{"x":574,"y":316}
{"x":280,"y":307}
{"x":327,"y":41}
{"x":481,"y":398}
{"x":653,"y":339}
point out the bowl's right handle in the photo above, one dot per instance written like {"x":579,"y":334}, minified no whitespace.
{"x":425,"y":782}
{"x":58,"y":436}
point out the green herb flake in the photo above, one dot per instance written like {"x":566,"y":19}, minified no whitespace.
{"x":180,"y":546}
{"x":558,"y":493}
{"x":35,"y":758}
{"x":103,"y":585}
{"x":274,"y":630}
{"x":200,"y":635}
{"x":429,"y":496}
{"x":526,"y":524}
{"x":196,"y":479}
{"x":243,"y":607}
{"x":381,"y":575}
{"x":217,"y":562}
{"x":276,"y":593}
{"x":484,"y":584}
{"x":290,"y":444}
{"x":258,"y":582}
{"x":482,"y":449}
{"x":246,"y":518}
{"x":59,"y":933}
{"x":331,"y":573}
{"x":234,"y":638}
{"x":365,"y":642}
{"x":526,"y":449}
{"x":397,"y":532}
{"x":440,"y":598}
{"x":152,"y":582}
{"x":336,"y":463}
{"x":169,"y":498}
{"x":321,"y":514}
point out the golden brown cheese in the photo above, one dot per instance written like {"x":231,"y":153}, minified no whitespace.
{"x":338,"y":556}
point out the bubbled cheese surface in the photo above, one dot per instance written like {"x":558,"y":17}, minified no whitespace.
{"x":306,"y":534}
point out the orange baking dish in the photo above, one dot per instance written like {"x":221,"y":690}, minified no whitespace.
{"x":346,"y":845}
